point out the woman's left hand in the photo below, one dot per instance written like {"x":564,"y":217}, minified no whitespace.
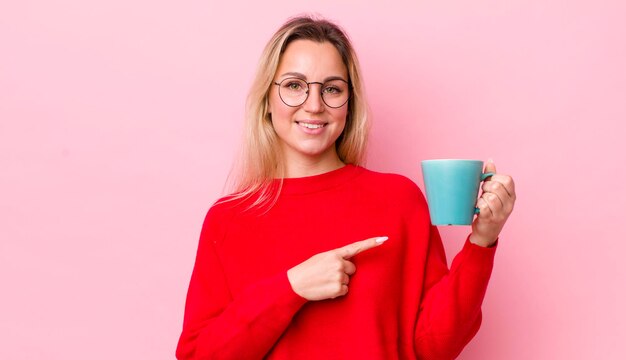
{"x":495,"y":204}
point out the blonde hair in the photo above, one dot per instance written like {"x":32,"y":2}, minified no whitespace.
{"x":261,"y":162}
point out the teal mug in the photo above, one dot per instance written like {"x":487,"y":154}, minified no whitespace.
{"x":452,"y":188}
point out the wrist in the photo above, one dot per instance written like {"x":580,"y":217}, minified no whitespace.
{"x":482,"y":241}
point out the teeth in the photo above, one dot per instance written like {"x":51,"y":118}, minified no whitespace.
{"x":311,"y":126}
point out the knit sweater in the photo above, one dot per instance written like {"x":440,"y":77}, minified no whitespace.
{"x":403,"y":302}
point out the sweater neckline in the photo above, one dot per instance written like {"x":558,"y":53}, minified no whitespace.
{"x":315,"y":183}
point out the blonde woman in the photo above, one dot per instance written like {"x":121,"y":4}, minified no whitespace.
{"x":316,"y":257}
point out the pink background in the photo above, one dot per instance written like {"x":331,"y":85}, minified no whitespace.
{"x":119,"y":121}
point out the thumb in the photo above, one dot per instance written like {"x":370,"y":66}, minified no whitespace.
{"x":350,"y":250}
{"x":490,"y":167}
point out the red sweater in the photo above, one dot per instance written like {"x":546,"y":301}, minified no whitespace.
{"x":403,"y":302}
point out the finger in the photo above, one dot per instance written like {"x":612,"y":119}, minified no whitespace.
{"x":497,"y":188}
{"x":506,"y":181}
{"x":350,"y":250}
{"x":345,"y":279}
{"x":341,"y":290}
{"x":508,"y":200}
{"x":490,"y":167}
{"x":485,"y":211}
{"x":494,"y":202}
{"x":503,"y":197}
{"x":348,"y":267}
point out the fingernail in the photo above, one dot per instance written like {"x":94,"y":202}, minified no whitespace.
{"x":490,"y":160}
{"x":381,"y":239}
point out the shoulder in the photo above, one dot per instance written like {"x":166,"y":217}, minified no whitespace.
{"x":221,"y":213}
{"x":398,"y":188}
{"x":231,"y":205}
{"x":390,"y":182}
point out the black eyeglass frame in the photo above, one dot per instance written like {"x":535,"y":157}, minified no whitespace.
{"x":308,"y":87}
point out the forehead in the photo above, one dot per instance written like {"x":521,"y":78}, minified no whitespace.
{"x":315,"y":60}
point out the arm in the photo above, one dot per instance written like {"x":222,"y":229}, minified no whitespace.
{"x":450,"y":315}
{"x":450,"y":311}
{"x":220,"y":326}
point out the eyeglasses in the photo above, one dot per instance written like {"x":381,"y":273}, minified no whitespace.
{"x":294,"y":92}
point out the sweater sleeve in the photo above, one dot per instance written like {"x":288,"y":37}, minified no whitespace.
{"x":219,"y":326}
{"x":450,"y":312}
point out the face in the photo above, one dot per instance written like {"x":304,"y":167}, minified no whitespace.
{"x":311,"y":129}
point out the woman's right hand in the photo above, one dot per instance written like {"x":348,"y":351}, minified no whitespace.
{"x":327,"y":275}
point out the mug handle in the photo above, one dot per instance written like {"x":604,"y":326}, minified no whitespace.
{"x":483,"y":177}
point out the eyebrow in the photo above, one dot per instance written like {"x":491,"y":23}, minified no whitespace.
{"x":302,"y":76}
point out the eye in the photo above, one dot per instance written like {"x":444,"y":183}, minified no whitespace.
{"x":331,"y":89}
{"x":294,"y":85}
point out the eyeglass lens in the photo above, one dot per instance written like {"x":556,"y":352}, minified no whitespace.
{"x":294,"y":92}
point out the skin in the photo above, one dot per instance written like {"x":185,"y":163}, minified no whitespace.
{"x":496,"y":204}
{"x":327,"y":275}
{"x":307,"y":154}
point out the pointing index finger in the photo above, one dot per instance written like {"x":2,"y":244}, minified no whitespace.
{"x":351,"y":250}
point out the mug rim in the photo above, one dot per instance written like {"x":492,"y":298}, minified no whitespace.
{"x":450,"y":160}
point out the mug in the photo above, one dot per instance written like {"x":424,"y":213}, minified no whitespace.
{"x":452,"y":188}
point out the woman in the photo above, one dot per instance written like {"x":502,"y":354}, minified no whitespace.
{"x":316,"y":257}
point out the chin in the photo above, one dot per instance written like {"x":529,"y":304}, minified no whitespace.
{"x":314,"y":151}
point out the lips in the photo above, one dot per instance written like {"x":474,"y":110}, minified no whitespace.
{"x":312,"y":124}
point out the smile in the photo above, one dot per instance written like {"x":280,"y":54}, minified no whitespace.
{"x":311,"y":125}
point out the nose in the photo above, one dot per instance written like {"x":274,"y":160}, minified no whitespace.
{"x":314,"y":102}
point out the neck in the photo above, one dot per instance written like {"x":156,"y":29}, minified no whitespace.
{"x":301,"y":165}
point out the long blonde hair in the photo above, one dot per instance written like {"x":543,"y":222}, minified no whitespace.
{"x":261,"y":163}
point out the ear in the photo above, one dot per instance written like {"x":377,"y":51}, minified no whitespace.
{"x":268,"y":110}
